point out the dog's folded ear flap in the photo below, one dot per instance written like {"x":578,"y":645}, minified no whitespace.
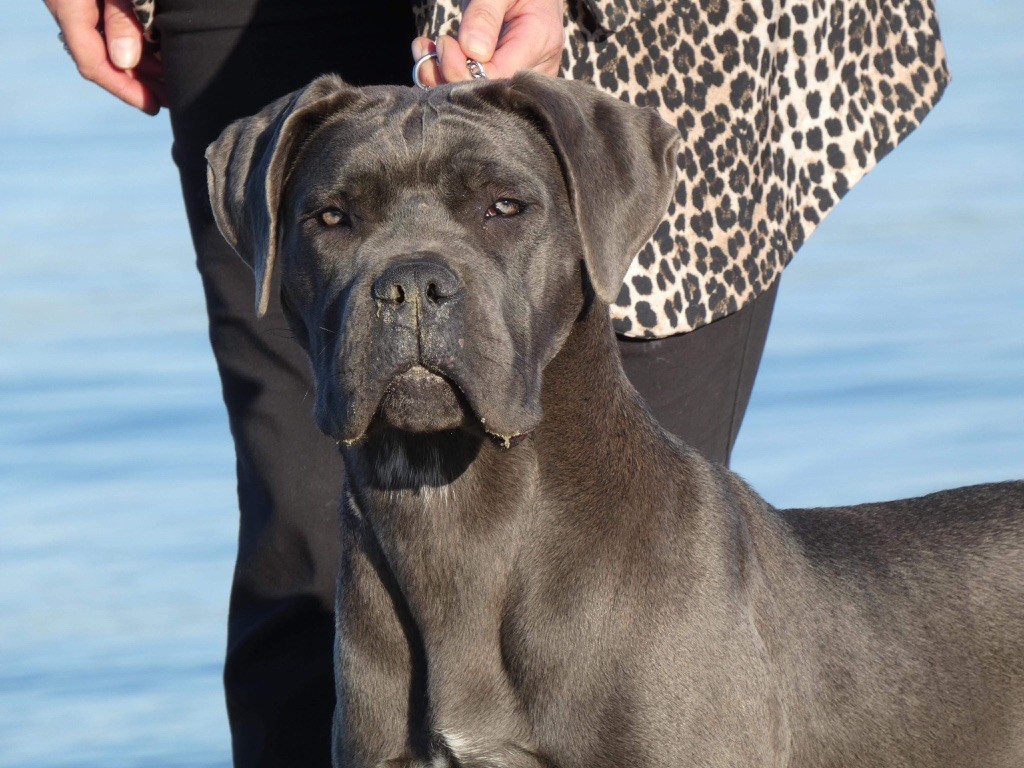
{"x":247,"y":168}
{"x":619,"y":163}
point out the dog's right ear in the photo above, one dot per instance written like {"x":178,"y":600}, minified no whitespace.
{"x":618,"y":161}
{"x":247,"y":168}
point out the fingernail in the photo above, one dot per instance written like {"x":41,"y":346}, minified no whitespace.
{"x":475,"y":46}
{"x":124,"y":52}
{"x":439,"y":47}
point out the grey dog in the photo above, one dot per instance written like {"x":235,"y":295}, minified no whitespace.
{"x":534,"y":573}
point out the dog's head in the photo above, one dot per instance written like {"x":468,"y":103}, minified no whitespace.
{"x":429,"y":246}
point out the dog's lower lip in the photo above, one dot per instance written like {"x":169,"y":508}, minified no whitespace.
{"x":419,"y":399}
{"x":420,"y":372}
{"x":419,"y":376}
{"x":416,"y":374}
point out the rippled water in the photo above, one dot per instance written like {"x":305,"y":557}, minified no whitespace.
{"x":895,"y":366}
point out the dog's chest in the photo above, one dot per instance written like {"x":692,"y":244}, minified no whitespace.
{"x":599,"y":691}
{"x":523,"y":666}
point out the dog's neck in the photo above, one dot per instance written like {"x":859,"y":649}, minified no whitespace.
{"x":445,"y":507}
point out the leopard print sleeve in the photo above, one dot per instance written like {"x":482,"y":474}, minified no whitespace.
{"x":783,"y":105}
{"x":144,"y":13}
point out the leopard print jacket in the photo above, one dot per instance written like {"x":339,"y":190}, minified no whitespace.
{"x":783,"y":105}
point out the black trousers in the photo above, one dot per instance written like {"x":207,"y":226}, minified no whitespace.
{"x":226,"y":60}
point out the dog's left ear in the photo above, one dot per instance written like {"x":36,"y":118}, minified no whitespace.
{"x":619,"y":163}
{"x":247,"y":167}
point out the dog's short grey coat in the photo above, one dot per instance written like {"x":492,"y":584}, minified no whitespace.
{"x":534,"y":573}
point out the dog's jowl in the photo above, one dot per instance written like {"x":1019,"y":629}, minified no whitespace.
{"x":534,"y":573}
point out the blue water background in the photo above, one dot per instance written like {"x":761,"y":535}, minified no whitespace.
{"x":895,"y":366}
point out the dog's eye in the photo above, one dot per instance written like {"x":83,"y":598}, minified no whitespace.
{"x":332,"y":217}
{"x":504,"y":208}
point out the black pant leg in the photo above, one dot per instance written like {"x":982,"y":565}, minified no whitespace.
{"x":224,"y":61}
{"x":698,"y":384}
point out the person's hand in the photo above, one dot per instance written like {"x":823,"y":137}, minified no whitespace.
{"x":503,"y":35}
{"x":116,"y":59}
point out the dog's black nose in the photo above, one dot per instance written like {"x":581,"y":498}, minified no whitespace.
{"x":399,"y":283}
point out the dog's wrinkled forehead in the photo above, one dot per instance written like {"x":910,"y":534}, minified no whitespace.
{"x":393,"y":146}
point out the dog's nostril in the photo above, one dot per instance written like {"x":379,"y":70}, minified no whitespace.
{"x":401,"y":283}
{"x":391,"y":288}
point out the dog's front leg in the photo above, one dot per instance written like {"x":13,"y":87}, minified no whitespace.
{"x":380,"y":671}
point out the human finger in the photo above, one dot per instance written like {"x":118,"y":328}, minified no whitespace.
{"x":150,"y":72}
{"x":155,"y":85}
{"x":80,"y":21}
{"x":149,"y":65}
{"x":480,"y":27}
{"x":89,"y":51}
{"x":452,"y":60}
{"x":123,"y":34}
{"x":430,"y":73}
{"x":528,"y":42}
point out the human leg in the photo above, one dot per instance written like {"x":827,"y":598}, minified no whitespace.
{"x":224,"y":61}
{"x":698,"y":384}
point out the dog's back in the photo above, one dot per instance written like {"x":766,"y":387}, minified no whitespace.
{"x":901,"y":618}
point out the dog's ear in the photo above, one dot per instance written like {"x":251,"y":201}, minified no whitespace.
{"x":619,"y":163}
{"x":247,"y":167}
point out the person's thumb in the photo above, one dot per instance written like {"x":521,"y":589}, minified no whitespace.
{"x":123,"y":33}
{"x":480,"y":27}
